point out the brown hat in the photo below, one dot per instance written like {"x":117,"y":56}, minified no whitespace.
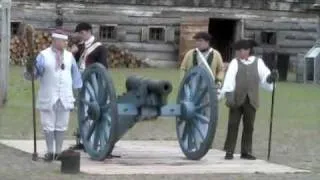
{"x":245,"y":44}
{"x":202,"y":35}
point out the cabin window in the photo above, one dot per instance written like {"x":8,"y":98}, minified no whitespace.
{"x":15,"y":27}
{"x":108,"y":32}
{"x":156,"y":34}
{"x":268,"y":37}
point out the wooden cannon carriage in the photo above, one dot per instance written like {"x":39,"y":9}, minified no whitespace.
{"x":104,"y":118}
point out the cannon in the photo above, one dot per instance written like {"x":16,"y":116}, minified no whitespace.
{"x":104,"y":118}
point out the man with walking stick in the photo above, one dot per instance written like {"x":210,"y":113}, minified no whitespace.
{"x":241,"y":89}
{"x":58,"y":73}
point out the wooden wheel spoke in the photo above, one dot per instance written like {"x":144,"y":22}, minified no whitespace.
{"x":86,"y":102}
{"x":105,"y":108}
{"x":198,"y":97}
{"x":195,"y":142}
{"x":90,"y":89}
{"x":91,"y":130}
{"x":96,"y":139}
{"x":185,"y":131}
{"x":196,"y":127}
{"x":190,"y":139}
{"x":108,"y":119}
{"x":202,"y":106}
{"x":103,"y":135}
{"x":193,"y":84}
{"x":202,"y":118}
{"x":95,"y":84}
{"x":187,"y":92}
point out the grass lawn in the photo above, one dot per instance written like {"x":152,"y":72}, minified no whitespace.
{"x":296,"y":117}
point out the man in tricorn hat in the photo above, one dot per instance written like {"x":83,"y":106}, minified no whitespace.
{"x":209,"y":55}
{"x":241,"y":89}
{"x":58,"y":73}
{"x":90,"y":50}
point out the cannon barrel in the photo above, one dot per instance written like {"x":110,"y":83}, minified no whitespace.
{"x":161,"y":87}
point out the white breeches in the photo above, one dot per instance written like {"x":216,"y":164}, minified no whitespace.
{"x":55,"y":119}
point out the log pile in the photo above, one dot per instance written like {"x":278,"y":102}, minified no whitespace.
{"x":122,"y":58}
{"x":117,"y":57}
{"x":19,"y":47}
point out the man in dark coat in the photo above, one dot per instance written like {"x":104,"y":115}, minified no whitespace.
{"x":87,"y":52}
{"x":241,"y":89}
{"x":90,"y":51}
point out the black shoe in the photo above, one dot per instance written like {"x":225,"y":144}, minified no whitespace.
{"x":247,"y":156}
{"x":77,"y":147}
{"x":57,"y":157}
{"x":228,"y":156}
{"x":48,"y":157}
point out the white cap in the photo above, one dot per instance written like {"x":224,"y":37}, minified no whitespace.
{"x":59,"y":34}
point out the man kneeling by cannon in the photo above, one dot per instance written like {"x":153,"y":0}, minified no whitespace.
{"x":104,"y":118}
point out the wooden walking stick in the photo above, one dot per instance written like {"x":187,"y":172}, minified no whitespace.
{"x":30,"y":68}
{"x":272,"y":103}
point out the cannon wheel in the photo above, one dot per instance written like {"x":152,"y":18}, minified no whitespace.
{"x":196,"y":126}
{"x":97,"y":112}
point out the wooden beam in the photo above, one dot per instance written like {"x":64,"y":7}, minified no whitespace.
{"x":5,"y":45}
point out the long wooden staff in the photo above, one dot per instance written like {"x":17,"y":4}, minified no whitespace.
{"x":31,"y":60}
{"x":272,"y":103}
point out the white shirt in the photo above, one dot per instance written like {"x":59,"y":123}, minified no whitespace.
{"x":89,"y":42}
{"x":230,"y":77}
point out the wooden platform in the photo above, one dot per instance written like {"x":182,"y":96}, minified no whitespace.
{"x":160,"y":157}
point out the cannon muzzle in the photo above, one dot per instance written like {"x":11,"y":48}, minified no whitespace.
{"x":160,"y":87}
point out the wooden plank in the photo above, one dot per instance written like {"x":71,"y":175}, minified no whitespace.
{"x":290,"y":51}
{"x":157,"y":56}
{"x":297,"y":43}
{"x":147,"y":47}
{"x":188,"y":28}
{"x":299,"y":35}
{"x":259,"y":25}
{"x":133,"y":37}
{"x":123,"y":20}
{"x":133,"y":29}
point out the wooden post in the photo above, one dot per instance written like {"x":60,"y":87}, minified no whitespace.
{"x":5,"y":42}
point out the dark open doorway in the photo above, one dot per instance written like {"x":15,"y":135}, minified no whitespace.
{"x":282,"y":63}
{"x":223,"y":35}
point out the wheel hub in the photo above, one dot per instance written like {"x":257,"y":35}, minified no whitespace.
{"x":94,"y":111}
{"x":187,"y":110}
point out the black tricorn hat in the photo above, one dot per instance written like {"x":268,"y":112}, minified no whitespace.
{"x":202,"y":35}
{"x":245,"y":44}
{"x":83,"y":27}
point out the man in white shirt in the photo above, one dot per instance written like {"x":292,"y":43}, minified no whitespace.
{"x":241,"y":89}
{"x":58,"y":73}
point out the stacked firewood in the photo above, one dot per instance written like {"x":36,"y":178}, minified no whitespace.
{"x":122,"y":58}
{"x":19,"y":52}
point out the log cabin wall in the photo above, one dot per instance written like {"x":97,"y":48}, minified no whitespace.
{"x":151,"y":28}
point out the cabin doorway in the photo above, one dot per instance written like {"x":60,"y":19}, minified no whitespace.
{"x":224,"y":33}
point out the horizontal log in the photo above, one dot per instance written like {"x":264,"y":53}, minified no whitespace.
{"x":123,"y":20}
{"x":147,"y":47}
{"x":299,"y":35}
{"x":297,"y":43}
{"x":132,"y":29}
{"x":290,"y":51}
{"x":264,"y":25}
{"x":133,"y":38}
{"x":156,"y":56}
